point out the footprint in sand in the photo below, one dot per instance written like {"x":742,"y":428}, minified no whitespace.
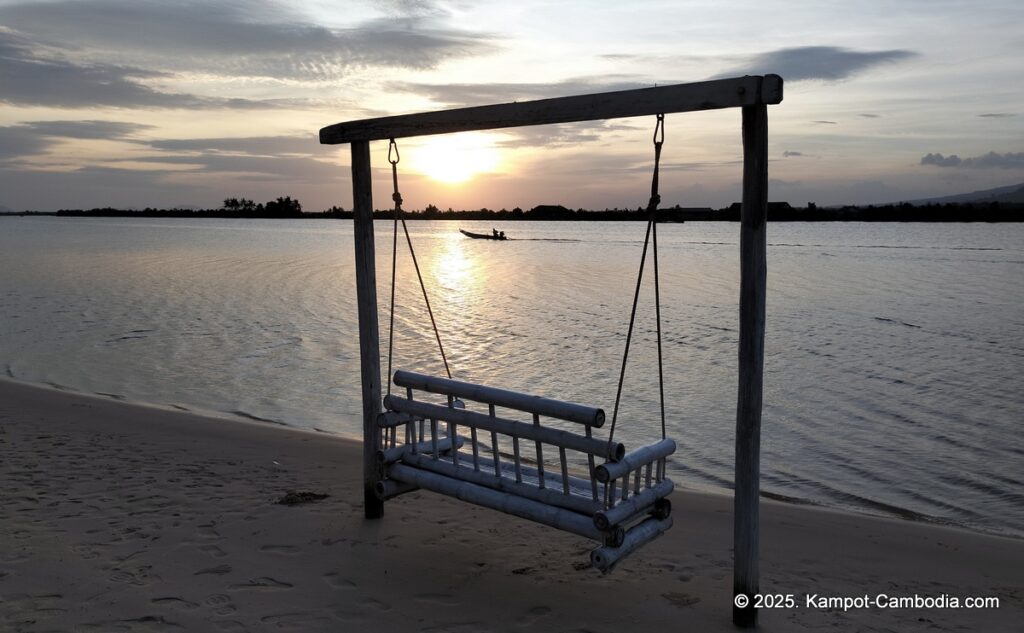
{"x":220,"y":603}
{"x":206,"y":532}
{"x":213,"y":550}
{"x":124,"y":576}
{"x":264,"y":582}
{"x":443,"y":599}
{"x":457,"y":627}
{"x":533,"y":614}
{"x":178,"y":603}
{"x":21,"y":535}
{"x":298,"y":621}
{"x":219,"y":570}
{"x":280,"y":549}
{"x":377,"y":604}
{"x":17,"y":557}
{"x":336,"y":581}
{"x":681,"y":599}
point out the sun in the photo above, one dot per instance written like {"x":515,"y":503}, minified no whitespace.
{"x":456,"y":158}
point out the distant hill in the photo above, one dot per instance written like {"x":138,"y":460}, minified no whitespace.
{"x":1009,"y":194}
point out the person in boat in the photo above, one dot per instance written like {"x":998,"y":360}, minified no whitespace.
{"x":495,"y":232}
{"x":501,"y":235}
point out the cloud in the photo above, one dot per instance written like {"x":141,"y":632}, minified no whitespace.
{"x":868,"y":115}
{"x":31,"y":79}
{"x":561,"y":134}
{"x":259,"y":38}
{"x":259,"y":168}
{"x":557,"y":135}
{"x":941,"y":161}
{"x":256,"y":145}
{"x":36,"y":137}
{"x":829,"y":63}
{"x":996,"y":115}
{"x":17,"y":142}
{"x":411,"y":7}
{"x":992,"y":160}
{"x":265,"y":158}
{"x":788,"y":154}
{"x":564,"y":134}
{"x":50,"y":190}
{"x":463,"y":94}
{"x":261,"y":158}
{"x":91,"y":130}
{"x":185,"y":181}
{"x":820,"y":122}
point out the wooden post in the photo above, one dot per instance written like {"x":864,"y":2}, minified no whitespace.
{"x":366,"y":298}
{"x":753,"y":281}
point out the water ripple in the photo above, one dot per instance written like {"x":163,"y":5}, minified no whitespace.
{"x":894,"y":354}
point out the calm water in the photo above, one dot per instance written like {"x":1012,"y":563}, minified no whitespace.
{"x":895,"y":352}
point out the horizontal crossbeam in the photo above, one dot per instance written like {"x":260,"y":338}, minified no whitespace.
{"x":706,"y":95}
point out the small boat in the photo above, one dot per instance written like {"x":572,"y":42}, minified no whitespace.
{"x":500,"y":235}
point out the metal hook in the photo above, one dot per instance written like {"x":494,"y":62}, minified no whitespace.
{"x":393,"y":148}
{"x":659,"y":130}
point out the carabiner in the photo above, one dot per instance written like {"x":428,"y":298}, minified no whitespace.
{"x":393,"y":148}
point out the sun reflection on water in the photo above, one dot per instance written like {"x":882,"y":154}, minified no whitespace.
{"x":454,"y":269}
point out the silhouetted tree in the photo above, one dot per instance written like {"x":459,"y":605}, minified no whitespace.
{"x":283,"y":207}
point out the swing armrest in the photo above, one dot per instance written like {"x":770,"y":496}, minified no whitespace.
{"x":389,"y":419}
{"x":394,"y":454}
{"x":632,"y":461}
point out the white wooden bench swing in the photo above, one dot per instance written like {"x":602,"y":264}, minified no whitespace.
{"x":622,"y":501}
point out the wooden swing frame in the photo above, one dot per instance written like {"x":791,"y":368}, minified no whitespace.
{"x":752,"y":94}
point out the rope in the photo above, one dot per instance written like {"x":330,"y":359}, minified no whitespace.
{"x":659,"y":140}
{"x":397,"y":197}
{"x":394,"y":158}
{"x":657,"y":314}
{"x":652,"y":209}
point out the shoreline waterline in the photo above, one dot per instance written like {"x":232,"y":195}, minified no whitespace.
{"x":120,"y":513}
{"x":214,"y":417}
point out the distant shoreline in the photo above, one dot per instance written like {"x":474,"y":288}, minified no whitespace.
{"x":777,"y":212}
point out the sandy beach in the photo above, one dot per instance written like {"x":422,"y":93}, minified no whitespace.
{"x":118,"y":517}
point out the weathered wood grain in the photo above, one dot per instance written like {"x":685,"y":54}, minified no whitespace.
{"x":369,"y":343}
{"x":753,"y":282}
{"x":706,"y":95}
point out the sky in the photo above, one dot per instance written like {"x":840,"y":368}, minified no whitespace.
{"x":141,"y":103}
